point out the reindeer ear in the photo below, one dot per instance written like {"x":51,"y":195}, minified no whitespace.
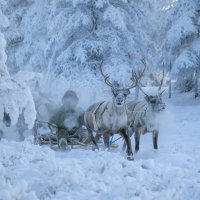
{"x":127,"y":92}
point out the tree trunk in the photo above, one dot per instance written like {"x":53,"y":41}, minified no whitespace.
{"x":170,"y":81}
{"x":196,"y":83}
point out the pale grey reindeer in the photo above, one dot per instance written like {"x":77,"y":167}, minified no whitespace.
{"x":143,"y":115}
{"x":109,"y":117}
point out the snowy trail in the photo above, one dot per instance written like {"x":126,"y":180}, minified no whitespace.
{"x":35,"y":172}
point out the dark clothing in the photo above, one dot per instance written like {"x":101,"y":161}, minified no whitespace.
{"x":69,"y":123}
{"x":68,"y":119}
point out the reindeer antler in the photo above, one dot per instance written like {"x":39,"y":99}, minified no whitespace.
{"x":142,"y":90}
{"x":134,"y":81}
{"x":145,"y":66}
{"x":137,"y":78}
{"x":106,"y":77}
{"x":134,"y":76}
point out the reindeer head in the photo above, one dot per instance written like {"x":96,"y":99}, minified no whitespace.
{"x":155,"y":101}
{"x":119,"y":94}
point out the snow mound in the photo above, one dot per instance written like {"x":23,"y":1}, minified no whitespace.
{"x":28,"y":171}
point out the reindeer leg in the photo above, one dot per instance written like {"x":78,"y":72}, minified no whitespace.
{"x":97,"y":137}
{"x":106,"y":137}
{"x":124,"y":146}
{"x":126,"y":136}
{"x":90,"y":132}
{"x":131,"y":133}
{"x":137,"y":140}
{"x":155,"y":139}
{"x":93,"y":140}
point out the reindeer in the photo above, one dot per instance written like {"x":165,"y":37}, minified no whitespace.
{"x":108,"y":118}
{"x":142,"y":115}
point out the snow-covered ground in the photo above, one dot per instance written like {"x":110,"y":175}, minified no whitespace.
{"x":28,"y":171}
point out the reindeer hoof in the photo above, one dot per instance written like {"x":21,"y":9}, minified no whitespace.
{"x":114,"y":145}
{"x":62,"y":143}
{"x":130,"y":157}
{"x":94,"y":148}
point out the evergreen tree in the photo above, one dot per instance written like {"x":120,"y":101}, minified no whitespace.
{"x":181,"y":42}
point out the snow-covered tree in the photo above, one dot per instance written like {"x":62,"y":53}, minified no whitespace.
{"x":66,"y":39}
{"x":73,"y":36}
{"x":3,"y":57}
{"x":16,"y":98}
{"x":180,"y":46}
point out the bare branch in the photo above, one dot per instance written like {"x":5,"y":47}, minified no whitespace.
{"x":163,"y":75}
